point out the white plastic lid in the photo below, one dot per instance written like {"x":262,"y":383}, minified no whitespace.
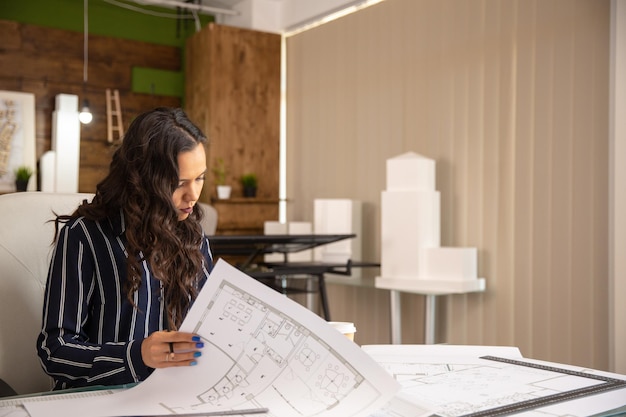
{"x":343,"y":326}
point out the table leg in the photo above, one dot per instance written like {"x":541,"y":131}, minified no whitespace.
{"x":429,"y":325}
{"x":310,"y":296}
{"x":323,"y":296}
{"x":396,"y":317}
{"x":283,"y":284}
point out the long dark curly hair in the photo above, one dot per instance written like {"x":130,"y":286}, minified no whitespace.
{"x":142,"y":178}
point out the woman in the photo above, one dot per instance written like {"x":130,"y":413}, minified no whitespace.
{"x":128,"y":265}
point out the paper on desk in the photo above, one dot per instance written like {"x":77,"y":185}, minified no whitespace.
{"x":405,"y":361}
{"x":261,"y":350}
{"x":455,"y":381}
{"x":13,"y":411}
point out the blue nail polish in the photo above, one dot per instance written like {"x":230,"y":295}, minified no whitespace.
{"x":195,"y":339}
{"x":197,"y":354}
{"x":193,"y":363}
{"x":200,"y":345}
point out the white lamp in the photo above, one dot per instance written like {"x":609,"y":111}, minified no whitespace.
{"x":85,"y":115}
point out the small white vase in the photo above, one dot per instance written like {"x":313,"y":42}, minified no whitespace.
{"x":223,"y":192}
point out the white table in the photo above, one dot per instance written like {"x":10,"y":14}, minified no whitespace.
{"x":429,"y":288}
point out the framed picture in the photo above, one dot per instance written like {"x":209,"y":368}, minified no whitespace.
{"x":17,"y":138}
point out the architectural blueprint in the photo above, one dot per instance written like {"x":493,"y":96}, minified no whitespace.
{"x":456,"y":381}
{"x":262,"y":350}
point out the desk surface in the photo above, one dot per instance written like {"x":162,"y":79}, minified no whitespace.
{"x":253,"y":246}
{"x":261,"y":244}
{"x":459,"y":381}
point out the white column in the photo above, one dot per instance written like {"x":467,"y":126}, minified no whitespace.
{"x":617,"y":190}
{"x":66,"y":143}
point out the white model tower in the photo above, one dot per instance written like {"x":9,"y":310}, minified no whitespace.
{"x":412,"y":259}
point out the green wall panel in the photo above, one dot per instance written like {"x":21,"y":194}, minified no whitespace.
{"x":105,"y":18}
{"x":159,"y":82}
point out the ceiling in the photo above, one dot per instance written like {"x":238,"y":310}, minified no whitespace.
{"x":273,"y":15}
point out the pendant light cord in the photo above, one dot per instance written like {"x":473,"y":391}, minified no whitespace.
{"x":86,"y":40}
{"x":85,"y":115}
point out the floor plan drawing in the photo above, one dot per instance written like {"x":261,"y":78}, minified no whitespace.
{"x":272,"y":358}
{"x":464,"y":382}
{"x":262,"y":351}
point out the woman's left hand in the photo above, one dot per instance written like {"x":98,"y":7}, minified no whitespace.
{"x":164,"y":349}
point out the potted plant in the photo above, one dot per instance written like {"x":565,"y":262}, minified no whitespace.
{"x":22,"y":176}
{"x":249,"y":184}
{"x":219,"y":171}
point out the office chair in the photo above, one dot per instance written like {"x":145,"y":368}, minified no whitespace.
{"x":209,"y":221}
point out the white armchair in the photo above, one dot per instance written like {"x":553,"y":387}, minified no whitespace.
{"x":25,"y":249}
{"x":26,"y":233}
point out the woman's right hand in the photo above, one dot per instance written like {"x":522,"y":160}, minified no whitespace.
{"x":164,"y":349}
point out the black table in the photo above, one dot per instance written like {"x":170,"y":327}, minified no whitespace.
{"x":252,"y":247}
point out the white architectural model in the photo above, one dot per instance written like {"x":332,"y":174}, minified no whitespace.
{"x":291,"y":228}
{"x":412,"y":259}
{"x":338,"y":216}
{"x":331,"y":216}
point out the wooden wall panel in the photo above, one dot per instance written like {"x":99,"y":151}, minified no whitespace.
{"x":233,"y":93}
{"x":244,"y":215}
{"x":47,"y":62}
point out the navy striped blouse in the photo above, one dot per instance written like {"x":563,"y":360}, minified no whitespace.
{"x":91,"y":333}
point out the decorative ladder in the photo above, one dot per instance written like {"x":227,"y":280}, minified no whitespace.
{"x":114,"y":111}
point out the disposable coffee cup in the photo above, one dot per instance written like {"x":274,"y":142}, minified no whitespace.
{"x":348,"y":329}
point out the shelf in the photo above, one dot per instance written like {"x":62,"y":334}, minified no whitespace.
{"x":245,"y":200}
{"x":244,"y":215}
